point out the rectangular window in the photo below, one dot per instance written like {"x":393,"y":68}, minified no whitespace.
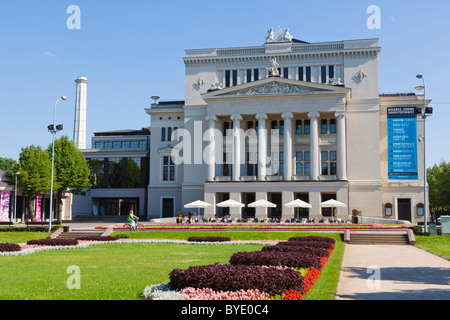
{"x":332,"y":126}
{"x":332,"y":155}
{"x":300,"y":73}
{"x":333,"y":168}
{"x":299,"y":156}
{"x":255,"y":74}
{"x":307,"y":169}
{"x":235,"y":78}
{"x":142,"y":144}
{"x":163,"y":134}
{"x":227,"y":128}
{"x":299,"y":168}
{"x":168,"y":169}
{"x":298,"y":126}
{"x":226,"y":170}
{"x":324,"y":168}
{"x":108,"y":144}
{"x":274,"y":127}
{"x":169,"y":134}
{"x":308,"y":74}
{"x":134,"y":145}
{"x":98,"y":145}
{"x":324,"y":128}
{"x":323,"y":74}
{"x":328,"y":160}
{"x":286,"y":73}
{"x":116,"y":144}
{"x":307,"y":156}
{"x":249,"y":75}
{"x":125,"y":144}
{"x":324,"y":155}
{"x":307,"y":126}
{"x":331,"y":72}
{"x":281,"y":126}
{"x":227,"y":78}
{"x":133,"y":176}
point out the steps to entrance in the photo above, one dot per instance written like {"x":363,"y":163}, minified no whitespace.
{"x":373,"y":238}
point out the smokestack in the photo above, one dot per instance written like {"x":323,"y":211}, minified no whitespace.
{"x":79,"y":128}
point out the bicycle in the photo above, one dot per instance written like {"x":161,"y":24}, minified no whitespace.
{"x":137,"y":226}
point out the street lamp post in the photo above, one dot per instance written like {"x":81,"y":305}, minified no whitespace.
{"x":15,"y":197}
{"x":425,"y":113}
{"x":53,"y":130}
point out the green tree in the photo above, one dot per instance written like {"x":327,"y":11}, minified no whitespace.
{"x":438,"y":178}
{"x":35,"y":172}
{"x":7,"y":164}
{"x":71,"y":171}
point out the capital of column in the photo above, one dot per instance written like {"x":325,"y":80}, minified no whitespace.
{"x":313,"y":115}
{"x":236,"y":116}
{"x":285,"y":115}
{"x":211,"y":117}
{"x":339,"y":114}
{"x":261,"y":116}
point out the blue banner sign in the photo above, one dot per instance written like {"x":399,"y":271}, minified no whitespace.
{"x":402,"y":143}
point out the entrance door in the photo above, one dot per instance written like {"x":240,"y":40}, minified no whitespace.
{"x":167,"y":207}
{"x":404,"y":209}
{"x":301,"y":213}
{"x":248,"y":197}
{"x":274,"y":197}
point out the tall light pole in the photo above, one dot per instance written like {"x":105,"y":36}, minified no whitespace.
{"x":53,"y":129}
{"x":15,"y":197}
{"x":425,"y":112}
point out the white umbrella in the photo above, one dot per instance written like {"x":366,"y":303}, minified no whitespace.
{"x":332,"y":204}
{"x":230,"y":204}
{"x":262,"y":203}
{"x":297,"y":203}
{"x":198,"y":204}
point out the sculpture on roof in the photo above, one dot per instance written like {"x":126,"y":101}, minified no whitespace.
{"x":279,"y":36}
{"x":273,"y":68}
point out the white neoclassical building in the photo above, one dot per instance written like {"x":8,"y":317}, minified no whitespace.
{"x":285,"y":120}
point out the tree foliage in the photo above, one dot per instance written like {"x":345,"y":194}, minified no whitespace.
{"x":7,"y":164}
{"x":438,"y":178}
{"x":71,"y":170}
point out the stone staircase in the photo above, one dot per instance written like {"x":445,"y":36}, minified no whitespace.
{"x":76,"y":234}
{"x":373,"y":238}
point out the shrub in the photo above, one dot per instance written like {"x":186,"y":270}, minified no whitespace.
{"x":308,"y":250}
{"x":313,"y":238}
{"x":310,"y":244}
{"x":208,"y":294}
{"x":9,"y":247}
{"x":228,"y":277}
{"x":98,"y":238}
{"x":208,"y":239}
{"x":29,"y":229}
{"x":54,"y":242}
{"x":123,"y":235}
{"x":290,"y":259}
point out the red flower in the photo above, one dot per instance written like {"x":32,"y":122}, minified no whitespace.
{"x":292,"y":295}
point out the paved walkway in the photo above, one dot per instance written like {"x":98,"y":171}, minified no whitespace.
{"x":403,"y":272}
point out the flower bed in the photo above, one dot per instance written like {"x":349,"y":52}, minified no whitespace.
{"x":97,"y":238}
{"x":287,"y":273}
{"x":54,"y":242}
{"x":208,"y":239}
{"x":9,"y":247}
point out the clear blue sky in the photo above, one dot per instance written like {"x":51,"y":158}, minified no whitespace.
{"x":131,"y":50}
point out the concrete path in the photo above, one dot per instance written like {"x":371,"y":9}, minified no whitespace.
{"x":392,"y":272}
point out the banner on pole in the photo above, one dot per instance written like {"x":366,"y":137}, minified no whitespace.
{"x":402,"y":143}
{"x":38,"y":207}
{"x":4,"y":206}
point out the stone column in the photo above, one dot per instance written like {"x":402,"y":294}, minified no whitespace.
{"x":211,"y":161}
{"x":314,"y":145}
{"x":340,"y":146}
{"x":287,"y":116}
{"x":236,"y":118}
{"x":262,"y":146}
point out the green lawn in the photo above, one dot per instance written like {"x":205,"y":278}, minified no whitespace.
{"x":122,"y":271}
{"x":439,"y":244}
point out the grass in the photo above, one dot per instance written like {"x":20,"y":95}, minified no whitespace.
{"x":122,"y":271}
{"x":437,"y":244}
{"x":22,"y":237}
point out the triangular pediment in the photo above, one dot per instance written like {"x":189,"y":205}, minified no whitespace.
{"x":274,"y":86}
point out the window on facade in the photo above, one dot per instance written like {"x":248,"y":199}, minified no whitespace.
{"x":227,"y":78}
{"x":328,"y":159}
{"x":255,"y":74}
{"x":227,"y":128}
{"x":277,"y":163}
{"x":302,"y":164}
{"x":133,"y":178}
{"x":115,"y":172}
{"x":235,"y":78}
{"x":331,"y":72}
{"x":281,"y":126}
{"x":332,"y":125}
{"x":308,"y":74}
{"x":307,"y":126}
{"x":249,"y":75}
{"x":169,"y":134}
{"x":108,"y":145}
{"x":135,"y":144}
{"x":163,"y":134}
{"x":98,"y":145}
{"x":226,"y":167}
{"x":324,"y":126}
{"x":274,"y":126}
{"x":286,"y":73}
{"x":323,"y":74}
{"x":298,"y":126}
{"x":97,"y":172}
{"x":252,"y":128}
{"x":142,"y":144}
{"x":125,"y":144}
{"x":252,"y":163}
{"x":300,"y":73}
{"x":116,"y":144}
{"x":168,"y":169}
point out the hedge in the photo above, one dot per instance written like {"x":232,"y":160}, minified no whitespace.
{"x":276,"y":258}
{"x":208,"y":239}
{"x":9,"y":247}
{"x":54,"y":242}
{"x":29,"y":229}
{"x":309,"y":250}
{"x":98,"y":238}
